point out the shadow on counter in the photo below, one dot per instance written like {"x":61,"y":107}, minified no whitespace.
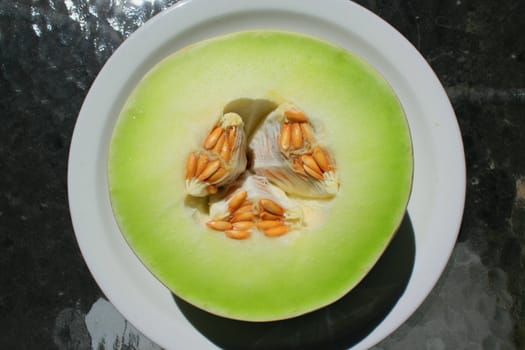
{"x":339,"y":325}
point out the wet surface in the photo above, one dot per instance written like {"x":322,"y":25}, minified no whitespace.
{"x":52,"y":50}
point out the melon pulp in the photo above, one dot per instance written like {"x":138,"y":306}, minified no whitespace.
{"x":171,"y":111}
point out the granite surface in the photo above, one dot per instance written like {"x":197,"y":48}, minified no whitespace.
{"x":52,"y":50}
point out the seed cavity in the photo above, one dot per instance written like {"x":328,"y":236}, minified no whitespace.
{"x":283,"y":151}
{"x":286,"y":158}
{"x":221,"y":159}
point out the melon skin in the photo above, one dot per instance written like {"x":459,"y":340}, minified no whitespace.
{"x":169,"y":114}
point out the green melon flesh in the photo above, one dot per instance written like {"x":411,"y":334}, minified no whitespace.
{"x":260,"y":279}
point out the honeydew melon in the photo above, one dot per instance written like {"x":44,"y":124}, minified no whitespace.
{"x":170,"y":112}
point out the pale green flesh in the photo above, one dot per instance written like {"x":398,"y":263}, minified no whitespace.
{"x":260,"y":279}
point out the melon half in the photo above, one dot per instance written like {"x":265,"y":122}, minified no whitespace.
{"x":356,"y":116}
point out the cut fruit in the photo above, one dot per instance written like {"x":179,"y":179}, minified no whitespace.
{"x":260,"y":175}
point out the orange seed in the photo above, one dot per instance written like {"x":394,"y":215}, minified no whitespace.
{"x":277,"y":231}
{"x":232,"y":136}
{"x":307,"y":132}
{"x":212,"y":138}
{"x":297,"y":136}
{"x":266,"y":224}
{"x":212,"y":189}
{"x":237,"y":200}
{"x":244,"y":208}
{"x":217,"y":176}
{"x":321,"y":158}
{"x":246,"y":216}
{"x":242,"y":225}
{"x":220,"y":142}
{"x":219,"y":225}
{"x":294,"y":115}
{"x":311,"y":163}
{"x":191,"y":166}
{"x":237,"y":234}
{"x":210,"y":169}
{"x":271,"y":206}
{"x":201,"y":164}
{"x":313,"y":173}
{"x":298,"y":167}
{"x":284,"y":138}
{"x":226,"y":152}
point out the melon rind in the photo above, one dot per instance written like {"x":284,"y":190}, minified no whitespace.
{"x":261,"y":279}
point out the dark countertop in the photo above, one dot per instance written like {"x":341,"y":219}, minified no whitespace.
{"x":52,"y":50}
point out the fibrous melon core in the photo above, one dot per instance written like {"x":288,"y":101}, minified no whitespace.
{"x":287,"y":160}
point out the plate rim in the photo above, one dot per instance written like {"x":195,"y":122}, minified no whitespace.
{"x":343,"y":8}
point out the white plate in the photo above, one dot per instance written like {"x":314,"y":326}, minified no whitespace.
{"x":435,"y":208}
